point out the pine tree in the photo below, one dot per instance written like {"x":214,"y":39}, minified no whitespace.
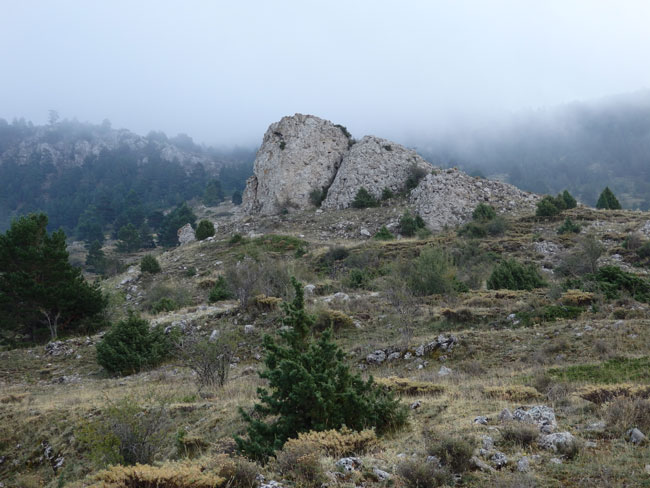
{"x":213,"y":194}
{"x":204,"y":230}
{"x":311,"y":388}
{"x":40,"y":291}
{"x":607,"y":200}
{"x":236,"y":198}
{"x":96,"y":259}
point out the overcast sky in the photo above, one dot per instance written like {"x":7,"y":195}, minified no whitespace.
{"x":221,"y":71}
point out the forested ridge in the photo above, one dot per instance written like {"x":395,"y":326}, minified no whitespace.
{"x":579,"y":147}
{"x":82,"y":174}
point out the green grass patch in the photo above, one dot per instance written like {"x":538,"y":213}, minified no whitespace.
{"x":280,"y":243}
{"x":616,"y":370}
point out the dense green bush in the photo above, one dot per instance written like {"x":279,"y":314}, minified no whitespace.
{"x":454,"y":452}
{"x":387,"y":194}
{"x":512,"y":275}
{"x":611,"y":280}
{"x":548,"y":207}
{"x":419,"y":473}
{"x":358,"y":278}
{"x":204,"y":230}
{"x":383,"y":234}
{"x":164,"y":305}
{"x":483,"y":213}
{"x":149,"y":264}
{"x":431,"y":272}
{"x":416,"y":173}
{"x":644,"y":251}
{"x":311,"y":388}
{"x":318,"y":196}
{"x":569,"y":201}
{"x":409,"y":225}
{"x":364,"y":199}
{"x":221,"y":290}
{"x":568,"y":227}
{"x":607,"y":200}
{"x":130,"y":345}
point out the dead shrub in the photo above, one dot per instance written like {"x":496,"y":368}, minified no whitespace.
{"x":299,"y":461}
{"x":519,"y":434}
{"x":418,"y":473}
{"x":169,"y":475}
{"x":409,"y":387}
{"x":343,"y":442}
{"x":471,"y":367}
{"x":603,"y":394}
{"x":454,"y":452}
{"x":237,"y":471}
{"x":267,"y":304}
{"x":603,"y":347}
{"x":459,"y":316}
{"x":336,"y":319}
{"x":626,"y":413}
{"x":577,"y":298}
{"x":514,"y":393}
{"x":209,"y":360}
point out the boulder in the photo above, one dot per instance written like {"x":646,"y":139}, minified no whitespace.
{"x":186,"y":234}
{"x":376,"y":357}
{"x":448,"y":197}
{"x":375,"y":164}
{"x":560,"y":441}
{"x":540,"y":415}
{"x":635,"y":436}
{"x":299,"y":154}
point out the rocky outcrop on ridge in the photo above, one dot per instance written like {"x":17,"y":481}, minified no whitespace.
{"x":448,"y":197}
{"x":299,"y":154}
{"x":374,"y":164}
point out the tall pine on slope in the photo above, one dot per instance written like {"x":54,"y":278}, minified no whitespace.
{"x":311,"y":388}
{"x":40,"y":291}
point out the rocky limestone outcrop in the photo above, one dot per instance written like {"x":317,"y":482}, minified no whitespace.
{"x":448,"y":198}
{"x":186,"y":235}
{"x":374,"y":164}
{"x":299,"y":154}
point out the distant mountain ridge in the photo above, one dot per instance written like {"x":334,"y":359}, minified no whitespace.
{"x":70,"y":143}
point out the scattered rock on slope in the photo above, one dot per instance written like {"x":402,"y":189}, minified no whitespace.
{"x":374,"y":164}
{"x":299,"y":154}
{"x":448,"y":198}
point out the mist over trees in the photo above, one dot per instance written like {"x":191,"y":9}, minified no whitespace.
{"x":582,"y":147}
{"x":121,"y":180}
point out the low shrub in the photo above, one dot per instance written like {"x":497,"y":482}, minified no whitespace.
{"x":409,"y":387}
{"x":600,"y":394}
{"x":167,"y":294}
{"x":358,"y":278}
{"x":418,"y":473}
{"x":627,"y":413}
{"x":343,"y":442}
{"x":299,"y":461}
{"x":568,"y":227}
{"x":126,"y":433}
{"x":512,"y":275}
{"x":454,"y":452}
{"x":220,"y":291}
{"x":169,"y":475}
{"x":611,"y":280}
{"x":383,"y":234}
{"x":208,"y":359}
{"x":266,"y":304}
{"x":519,"y":434}
{"x":518,"y":393}
{"x":644,"y":251}
{"x":386,"y":194}
{"x":204,"y":230}
{"x":483,"y":213}
{"x":416,"y":174}
{"x":336,"y":319}
{"x":548,"y":207}
{"x":409,"y":225}
{"x":237,"y":471}
{"x":318,"y":196}
{"x":577,"y":298}
{"x":364,"y":199}
{"x":130,"y":345}
{"x":236,"y":239}
{"x":431,"y":272}
{"x":164,"y":305}
{"x":149,"y":264}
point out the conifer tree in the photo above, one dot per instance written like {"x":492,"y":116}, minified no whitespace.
{"x":310,"y":388}
{"x":607,"y":200}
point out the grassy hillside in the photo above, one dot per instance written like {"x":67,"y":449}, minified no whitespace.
{"x":574,"y":345}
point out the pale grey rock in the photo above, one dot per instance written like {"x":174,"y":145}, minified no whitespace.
{"x":555,"y":460}
{"x":394,"y":355}
{"x":540,"y":415}
{"x":186,"y":234}
{"x":381,"y":474}
{"x":434,"y":459}
{"x":374,"y":164}
{"x":444,"y":371}
{"x":376,"y":357}
{"x":558,"y":441}
{"x":448,"y":198}
{"x":309,"y":289}
{"x":480,"y":465}
{"x":415,"y":405}
{"x":249,"y":329}
{"x":481,"y":420}
{"x":505,"y":415}
{"x":487,"y":443}
{"x":365,"y":232}
{"x":523,"y":465}
{"x":349,"y":464}
{"x":635,"y":436}
{"x":299,"y":154}
{"x":499,"y":460}
{"x":214,"y":335}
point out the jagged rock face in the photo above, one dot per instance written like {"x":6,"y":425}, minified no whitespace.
{"x":298,"y":154}
{"x":448,"y":198}
{"x":186,"y":235}
{"x":374,"y":164}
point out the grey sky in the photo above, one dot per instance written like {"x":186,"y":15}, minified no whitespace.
{"x":221,"y":71}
